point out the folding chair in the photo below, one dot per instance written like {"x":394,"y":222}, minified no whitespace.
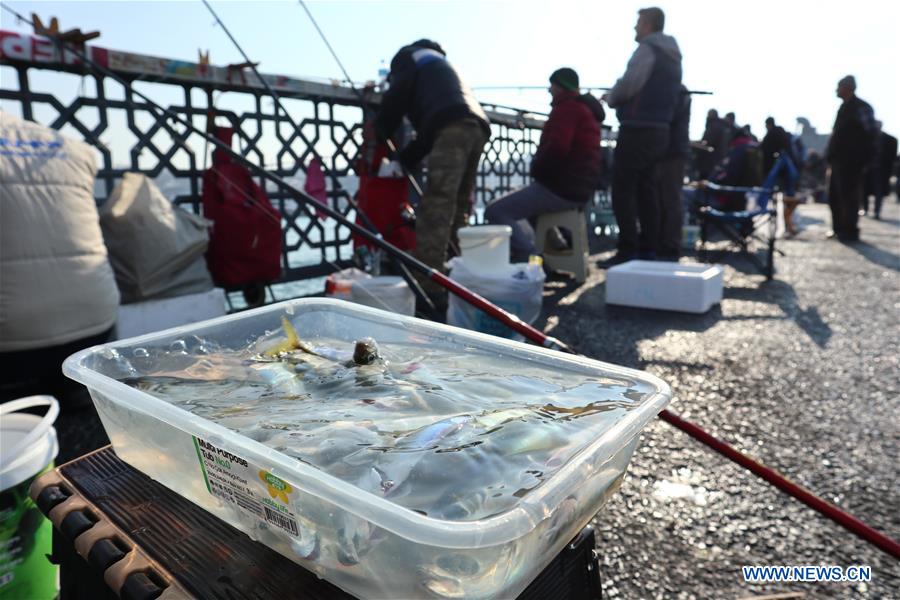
{"x":742,"y":228}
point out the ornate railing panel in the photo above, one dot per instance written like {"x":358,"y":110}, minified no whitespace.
{"x":128,"y":137}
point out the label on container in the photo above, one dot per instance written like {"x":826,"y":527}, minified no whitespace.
{"x":250,"y":489}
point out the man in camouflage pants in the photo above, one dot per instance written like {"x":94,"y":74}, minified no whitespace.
{"x":452,"y":130}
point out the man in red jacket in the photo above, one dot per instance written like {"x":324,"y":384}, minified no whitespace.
{"x":565,"y":168}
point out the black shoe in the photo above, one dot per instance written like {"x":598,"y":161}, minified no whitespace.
{"x":668,"y":256}
{"x":619,"y":258}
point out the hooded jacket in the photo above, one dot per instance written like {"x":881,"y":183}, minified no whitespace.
{"x":56,"y":284}
{"x":568,"y":160}
{"x":427,"y":89}
{"x":647,"y":94}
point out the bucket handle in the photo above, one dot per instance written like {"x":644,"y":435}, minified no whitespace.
{"x":483,"y":242}
{"x":40,"y":429}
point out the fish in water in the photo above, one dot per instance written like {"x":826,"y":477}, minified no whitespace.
{"x":308,"y":545}
{"x":365,"y":352}
{"x":357,"y":536}
{"x":430,"y":435}
{"x":291,"y":342}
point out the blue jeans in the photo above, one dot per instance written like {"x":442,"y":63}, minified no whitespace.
{"x":783,"y":164}
{"x":516,"y":208}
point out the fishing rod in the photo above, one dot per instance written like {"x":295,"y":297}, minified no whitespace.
{"x":362,"y":100}
{"x":831,"y":511}
{"x":479,"y":302}
{"x":414,"y":285}
{"x":583,"y":87}
{"x":390,"y":143}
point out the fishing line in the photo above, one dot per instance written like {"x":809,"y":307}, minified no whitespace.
{"x":404,"y":271}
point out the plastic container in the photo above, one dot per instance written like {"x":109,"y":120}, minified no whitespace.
{"x":682,"y":287}
{"x":28,"y":447}
{"x":519,"y":289}
{"x":339,"y":284}
{"x":486,"y":247}
{"x":416,"y":555}
{"x":386,"y":292}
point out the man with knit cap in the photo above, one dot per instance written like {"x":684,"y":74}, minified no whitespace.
{"x":851,"y":148}
{"x":645,"y":98}
{"x":565,"y":167}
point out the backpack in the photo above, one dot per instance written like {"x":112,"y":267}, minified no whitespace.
{"x":245,"y":239}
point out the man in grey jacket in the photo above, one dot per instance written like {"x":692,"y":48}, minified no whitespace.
{"x":645,"y":98}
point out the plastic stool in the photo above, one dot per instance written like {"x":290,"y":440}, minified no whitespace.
{"x":575,"y":259}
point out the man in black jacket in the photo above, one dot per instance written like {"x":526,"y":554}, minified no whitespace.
{"x":451,"y":129}
{"x":850,"y":149}
{"x":775,"y":142}
{"x":878,"y":178}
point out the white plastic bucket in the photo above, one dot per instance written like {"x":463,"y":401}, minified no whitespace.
{"x":386,"y":292}
{"x":28,"y":447}
{"x":486,"y":247}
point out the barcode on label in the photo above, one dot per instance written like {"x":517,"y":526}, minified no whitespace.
{"x":286,"y":523}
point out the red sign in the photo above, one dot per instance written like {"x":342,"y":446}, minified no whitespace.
{"x":22,"y":47}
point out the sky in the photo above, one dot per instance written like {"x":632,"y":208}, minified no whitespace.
{"x":759,"y":58}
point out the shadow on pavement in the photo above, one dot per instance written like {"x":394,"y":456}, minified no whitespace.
{"x":782,"y":294}
{"x":874,"y":254}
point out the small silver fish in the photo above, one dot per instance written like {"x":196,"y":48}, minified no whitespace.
{"x":430,"y":435}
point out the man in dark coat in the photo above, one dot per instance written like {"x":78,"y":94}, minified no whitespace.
{"x":878,"y":178}
{"x":565,"y":168}
{"x":850,"y":149}
{"x":451,"y":129}
{"x":780,"y":148}
{"x":716,"y":136}
{"x":775,"y":142}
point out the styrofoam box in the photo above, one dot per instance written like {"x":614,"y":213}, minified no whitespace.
{"x":155,"y":315}
{"x":682,"y":287}
{"x":412,"y":555}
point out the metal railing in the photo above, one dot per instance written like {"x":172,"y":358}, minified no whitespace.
{"x":128,"y":138}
